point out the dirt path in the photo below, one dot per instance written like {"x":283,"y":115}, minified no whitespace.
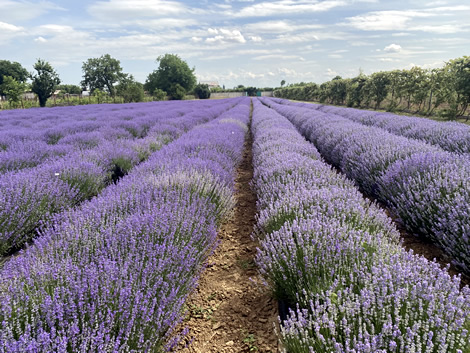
{"x":230,"y":310}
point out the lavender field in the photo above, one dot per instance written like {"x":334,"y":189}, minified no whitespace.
{"x":109,"y":215}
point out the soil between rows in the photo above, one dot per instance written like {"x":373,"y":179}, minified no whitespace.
{"x":231,"y":310}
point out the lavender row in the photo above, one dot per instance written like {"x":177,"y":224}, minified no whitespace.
{"x":113,"y":275}
{"x":64,"y":131}
{"x":31,"y":196}
{"x":428,"y":188}
{"x":336,"y":259}
{"x":450,"y":136}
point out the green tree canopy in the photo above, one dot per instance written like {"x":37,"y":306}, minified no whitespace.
{"x":159,"y":94}
{"x":202,"y":91}
{"x":102,"y":73}
{"x":173,"y":76}
{"x":459,"y":70}
{"x":251,"y":91}
{"x":130,"y":90}
{"x":176,"y":91}
{"x":13,"y":89}
{"x":14,"y":70}
{"x":44,"y":82}
{"x":70,"y":89}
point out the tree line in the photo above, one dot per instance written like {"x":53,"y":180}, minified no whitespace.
{"x":445,"y":90}
{"x":102,"y":76}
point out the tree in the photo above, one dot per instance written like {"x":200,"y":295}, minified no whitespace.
{"x":14,"y":70}
{"x":251,"y":91}
{"x":44,"y":82}
{"x":355,"y":90}
{"x":102,"y":73}
{"x":70,"y":89}
{"x":396,"y":87}
{"x":377,"y":87}
{"x":202,"y":91}
{"x":173,"y":76}
{"x":459,"y":70}
{"x":338,"y":90}
{"x":13,"y":89}
{"x":100,"y":95}
{"x":283,"y":82}
{"x":159,"y":94}
{"x":130,"y":90}
{"x":176,"y":92}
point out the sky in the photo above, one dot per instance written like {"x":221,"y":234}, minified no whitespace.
{"x":248,"y":42}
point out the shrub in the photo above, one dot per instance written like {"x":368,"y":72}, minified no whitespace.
{"x":176,"y":92}
{"x":202,"y":91}
{"x":159,"y":94}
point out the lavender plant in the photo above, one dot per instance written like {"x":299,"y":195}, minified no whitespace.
{"x":451,"y":136}
{"x":336,"y":258}
{"x":112,"y":275}
{"x":429,"y":194}
{"x":405,"y":304}
{"x":31,"y":196}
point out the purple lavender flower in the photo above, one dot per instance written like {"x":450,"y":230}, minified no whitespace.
{"x":334,"y":257}
{"x":113,"y":274}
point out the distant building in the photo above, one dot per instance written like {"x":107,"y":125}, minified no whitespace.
{"x":211,"y":84}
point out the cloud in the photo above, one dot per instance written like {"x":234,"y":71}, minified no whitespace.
{"x":284,"y":7}
{"x":223,"y":35}
{"x":392,"y":48}
{"x":297,"y":38}
{"x":278,"y":57}
{"x":250,"y":74}
{"x":7,"y":27}
{"x":162,"y":23}
{"x":8,"y":32}
{"x":330,"y":73}
{"x":440,"y":29}
{"x":287,"y":72}
{"x":15,"y":11}
{"x":256,"y":38}
{"x":257,"y":52}
{"x":384,"y":20}
{"x":279,"y":27}
{"x":312,"y":36}
{"x":40,"y":39}
{"x":360,"y":43}
{"x":136,"y":9}
{"x":402,"y":20}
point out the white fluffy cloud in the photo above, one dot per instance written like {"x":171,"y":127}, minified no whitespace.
{"x":223,"y":35}
{"x":392,"y":48}
{"x":385,"y":20}
{"x":8,"y":32}
{"x":40,"y":39}
{"x":256,"y":38}
{"x":9,"y":28}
